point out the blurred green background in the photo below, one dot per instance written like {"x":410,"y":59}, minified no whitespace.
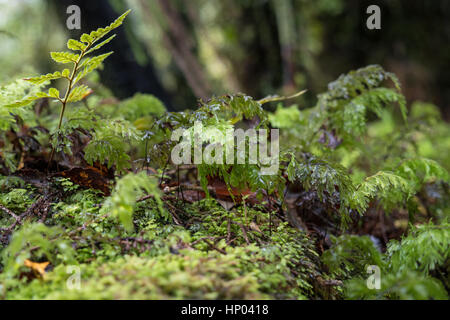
{"x":182,"y":50}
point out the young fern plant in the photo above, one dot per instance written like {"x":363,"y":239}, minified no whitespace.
{"x":81,"y":67}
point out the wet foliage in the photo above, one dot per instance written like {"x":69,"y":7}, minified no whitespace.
{"x":92,"y":207}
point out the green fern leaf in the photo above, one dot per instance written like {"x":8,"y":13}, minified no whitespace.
{"x":53,"y":93}
{"x":109,"y":143}
{"x":76,"y":45}
{"x":383,"y":185}
{"x":64,"y":57}
{"x":22,"y":103}
{"x":101,"y":32}
{"x":98,"y":46}
{"x":47,"y":77}
{"x":90,"y":64}
{"x":422,"y":170}
{"x":123,"y":199}
{"x":79,"y":93}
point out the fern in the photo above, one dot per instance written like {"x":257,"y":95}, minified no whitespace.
{"x":9,"y":93}
{"x":324,"y":177}
{"x":420,"y":171}
{"x":108,"y":143}
{"x":404,"y":286}
{"x":231,"y":108}
{"x":424,"y":249}
{"x":351,"y":119}
{"x":414,"y":268}
{"x":223,"y":114}
{"x":357,"y":82}
{"x":140,"y":107}
{"x":350,"y":255}
{"x":386,"y":186}
{"x":391,"y":189}
{"x":128,"y":189}
{"x":350,"y":97}
{"x":394,"y":188}
{"x":82,"y":65}
{"x":340,"y":115}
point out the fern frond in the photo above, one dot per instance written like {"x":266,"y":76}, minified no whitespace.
{"x":409,"y":285}
{"x":128,"y":189}
{"x":108,"y":148}
{"x":357,"y":82}
{"x":96,"y":35}
{"x":232,"y":108}
{"x":9,"y":108}
{"x":81,"y":67}
{"x":420,"y":171}
{"x":424,"y":249}
{"x":414,"y":268}
{"x":76,"y":45}
{"x":351,"y":254}
{"x":64,"y":57}
{"x":98,"y":46}
{"x":352,"y":117}
{"x":79,"y":93}
{"x":49,"y":76}
{"x":345,"y":105}
{"x":386,"y":186}
{"x":109,"y":143}
{"x":52,"y":93}
{"x":324,"y":176}
{"x":79,"y":118}
{"x":123,"y":129}
{"x":89,"y":65}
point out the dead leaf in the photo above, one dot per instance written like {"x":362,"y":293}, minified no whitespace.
{"x":254,"y":227}
{"x":88,"y":177}
{"x":222,"y":191}
{"x":38,"y":267}
{"x":227,"y":205}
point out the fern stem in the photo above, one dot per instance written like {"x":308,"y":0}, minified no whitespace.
{"x":66,"y":96}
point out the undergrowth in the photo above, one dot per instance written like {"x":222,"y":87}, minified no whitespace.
{"x":92,"y":207}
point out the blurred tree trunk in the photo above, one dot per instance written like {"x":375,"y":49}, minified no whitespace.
{"x":284,"y":12}
{"x":179,"y":41}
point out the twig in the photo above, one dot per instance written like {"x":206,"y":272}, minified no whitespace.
{"x":175,"y":218}
{"x":179,"y":186}
{"x":244,"y":232}
{"x":173,"y":189}
{"x":229,"y":230}
{"x":207,"y":241}
{"x":193,"y":243}
{"x":214,"y":247}
{"x":164,"y":170}
{"x":10,"y":212}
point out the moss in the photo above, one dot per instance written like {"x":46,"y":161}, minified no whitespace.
{"x":175,"y":263}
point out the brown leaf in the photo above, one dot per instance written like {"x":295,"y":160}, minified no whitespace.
{"x":222,"y":192}
{"x":227,"y":205}
{"x":38,"y":267}
{"x":88,"y":177}
{"x":254,"y":227}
